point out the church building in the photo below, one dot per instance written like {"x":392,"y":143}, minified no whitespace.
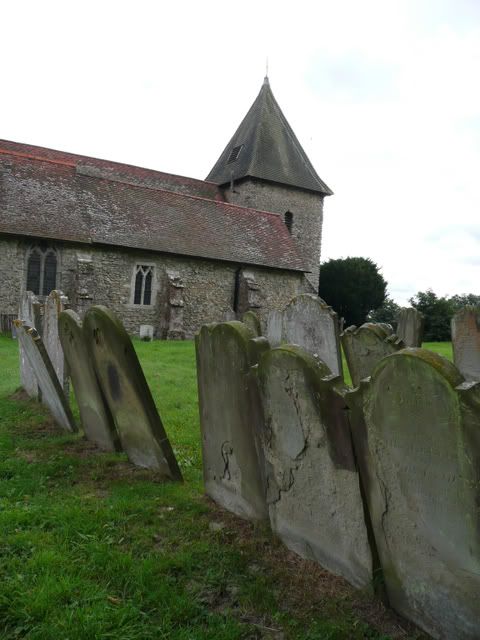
{"x":159,"y":249}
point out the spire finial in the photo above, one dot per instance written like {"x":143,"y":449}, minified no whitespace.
{"x":265,"y":80}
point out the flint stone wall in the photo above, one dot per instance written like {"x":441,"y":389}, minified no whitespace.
{"x":466,"y":342}
{"x":420,"y":463}
{"x":313,"y":485}
{"x":230,"y":418}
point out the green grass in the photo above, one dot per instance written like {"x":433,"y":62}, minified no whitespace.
{"x":92,"y":548}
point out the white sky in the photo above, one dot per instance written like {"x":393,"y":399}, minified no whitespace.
{"x":384,"y":95}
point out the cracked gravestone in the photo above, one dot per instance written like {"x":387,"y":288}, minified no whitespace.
{"x":310,"y":323}
{"x":252,"y":321}
{"x":466,"y":342}
{"x":55,"y":303}
{"x":416,"y":431}
{"x":52,"y":394}
{"x":314,"y":496}
{"x":366,"y":346}
{"x":231,"y":418}
{"x":29,"y":311}
{"x":128,"y":396}
{"x":410,"y":324}
{"x":95,"y":415}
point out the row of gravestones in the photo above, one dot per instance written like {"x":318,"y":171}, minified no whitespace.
{"x":117,"y":410}
{"x":380,"y":480}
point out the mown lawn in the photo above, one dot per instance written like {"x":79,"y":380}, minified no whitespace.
{"x":92,"y":548}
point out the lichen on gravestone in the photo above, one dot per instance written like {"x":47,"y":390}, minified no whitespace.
{"x":466,"y":341}
{"x":410,"y":324}
{"x":252,"y":321}
{"x":29,"y":311}
{"x":128,"y":396}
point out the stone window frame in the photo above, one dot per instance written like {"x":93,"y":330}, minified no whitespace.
{"x":44,"y":249}
{"x":153,"y":269}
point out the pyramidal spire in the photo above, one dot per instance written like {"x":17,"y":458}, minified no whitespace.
{"x":265,"y":147}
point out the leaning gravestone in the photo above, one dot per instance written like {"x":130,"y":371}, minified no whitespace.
{"x":95,"y":416}
{"x":128,"y":396}
{"x":29,"y":310}
{"x":55,"y":303}
{"x":314,"y":495}
{"x":422,"y":448}
{"x":252,"y":321}
{"x":230,"y":418}
{"x":311,"y":324}
{"x":52,"y":393}
{"x":466,"y":342}
{"x":410,"y":326}
{"x":365,"y":346}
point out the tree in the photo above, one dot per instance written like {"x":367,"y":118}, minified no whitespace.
{"x":353,"y":287}
{"x":438,"y":312}
{"x":388,"y":312}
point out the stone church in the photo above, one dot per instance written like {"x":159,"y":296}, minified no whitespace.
{"x":160,"y":249}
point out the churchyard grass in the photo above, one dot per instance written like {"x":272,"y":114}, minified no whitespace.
{"x":93,"y":548}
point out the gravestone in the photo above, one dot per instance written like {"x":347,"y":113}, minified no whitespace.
{"x":466,"y":342}
{"x":274,"y":327}
{"x":146,"y":332}
{"x":175,"y":287}
{"x":128,"y":396}
{"x":311,"y":324}
{"x":410,"y":326}
{"x":52,"y":393}
{"x":30,"y":311}
{"x":314,"y":495}
{"x":252,"y":321}
{"x":420,"y":447}
{"x":365,"y":346}
{"x":95,"y":416}
{"x":231,"y":418}
{"x":55,"y":303}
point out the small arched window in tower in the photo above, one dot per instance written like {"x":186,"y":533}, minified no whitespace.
{"x":289,"y":221}
{"x":41,"y":270}
{"x":142,"y":293}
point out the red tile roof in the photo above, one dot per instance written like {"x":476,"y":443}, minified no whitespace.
{"x":60,"y":196}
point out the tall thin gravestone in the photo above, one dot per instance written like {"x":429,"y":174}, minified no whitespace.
{"x":30,"y":312}
{"x":314,"y":495}
{"x":366,"y":346}
{"x":95,"y":416}
{"x":128,"y":396}
{"x":410,"y":324}
{"x":311,"y":324}
{"x":466,"y":342}
{"x":416,"y":430}
{"x":55,"y":303}
{"x":52,"y":393}
{"x":230,"y":418}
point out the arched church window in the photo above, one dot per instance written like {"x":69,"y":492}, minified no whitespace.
{"x":142,"y":293}
{"x":289,"y":221}
{"x":41,"y":270}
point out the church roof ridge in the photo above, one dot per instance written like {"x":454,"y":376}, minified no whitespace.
{"x":265,"y":146}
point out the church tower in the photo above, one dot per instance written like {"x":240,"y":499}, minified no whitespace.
{"x":264,"y":167}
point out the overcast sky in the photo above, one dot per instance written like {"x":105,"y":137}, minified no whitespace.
{"x":383,"y":95}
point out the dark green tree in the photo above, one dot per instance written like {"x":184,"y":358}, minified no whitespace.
{"x":438,"y":312}
{"x":353,"y":287}
{"x":386,"y":313}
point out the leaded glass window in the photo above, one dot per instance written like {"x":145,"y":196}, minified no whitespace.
{"x":143,"y":284}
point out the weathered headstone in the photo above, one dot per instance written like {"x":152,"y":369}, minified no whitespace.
{"x":274,"y":327}
{"x":365,"y":346}
{"x":410,"y":324}
{"x":314,"y":495}
{"x":419,"y":447}
{"x":466,"y":342}
{"x":175,"y":286}
{"x":128,"y":396}
{"x":55,"y":303}
{"x":251,"y":319}
{"x":230,"y":418}
{"x":311,"y":324}
{"x":52,"y":393}
{"x":95,"y":416}
{"x":29,"y":311}
{"x":146,"y":332}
